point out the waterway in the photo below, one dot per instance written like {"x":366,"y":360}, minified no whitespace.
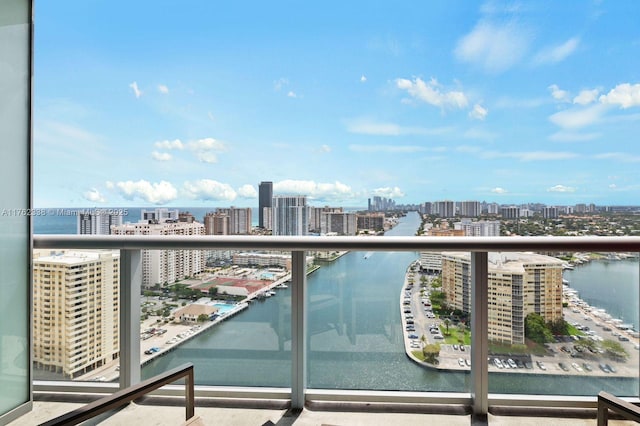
{"x":355,"y":338}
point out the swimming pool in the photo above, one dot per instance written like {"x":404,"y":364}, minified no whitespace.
{"x":223,"y":308}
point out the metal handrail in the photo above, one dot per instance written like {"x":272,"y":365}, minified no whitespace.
{"x":607,"y":402}
{"x":129,"y":394}
{"x":473,"y":244}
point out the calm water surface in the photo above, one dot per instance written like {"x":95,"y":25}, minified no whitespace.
{"x":355,"y":339}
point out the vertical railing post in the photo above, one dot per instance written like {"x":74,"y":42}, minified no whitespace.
{"x":298,"y":329}
{"x":479,"y":333}
{"x":130,"y":289}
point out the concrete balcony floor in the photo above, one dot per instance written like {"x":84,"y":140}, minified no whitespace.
{"x":160,"y":415}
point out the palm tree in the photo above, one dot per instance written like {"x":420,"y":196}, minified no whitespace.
{"x":447,"y":323}
{"x":423,"y":339}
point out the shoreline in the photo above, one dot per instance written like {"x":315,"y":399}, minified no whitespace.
{"x":449,"y":357}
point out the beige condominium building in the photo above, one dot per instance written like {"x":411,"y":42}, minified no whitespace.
{"x":160,"y":267}
{"x":519,"y":284}
{"x":75,"y":310}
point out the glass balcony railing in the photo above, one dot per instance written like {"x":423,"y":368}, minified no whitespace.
{"x":367,"y":323}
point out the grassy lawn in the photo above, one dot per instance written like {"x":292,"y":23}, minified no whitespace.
{"x":455,"y":336}
{"x":418,"y":354}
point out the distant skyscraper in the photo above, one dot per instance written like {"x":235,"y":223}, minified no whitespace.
{"x":265,"y":199}
{"x":159,"y":215}
{"x":160,"y":267}
{"x":290,"y":215}
{"x":97,"y":223}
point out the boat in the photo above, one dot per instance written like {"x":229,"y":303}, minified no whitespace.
{"x":282,"y":285}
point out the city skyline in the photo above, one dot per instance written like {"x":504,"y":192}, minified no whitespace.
{"x":503,"y":102}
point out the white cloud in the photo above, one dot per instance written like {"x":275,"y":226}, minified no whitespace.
{"x":469,"y":149}
{"x":136,"y":91}
{"x":292,"y":94}
{"x":564,"y":136}
{"x":387,"y":148}
{"x":163,"y":89}
{"x":389,"y":192}
{"x":325,"y":148}
{"x":494,"y":47}
{"x":209,"y":190}
{"x":154,"y":193}
{"x":94,"y":196}
{"x":207,"y":148}
{"x":481,"y":134}
{"x":280,"y":83}
{"x":166,"y":144}
{"x":561,"y":188}
{"x":499,"y":190}
{"x":558,"y":94}
{"x":207,"y":144}
{"x":576,"y":118}
{"x":432,"y":94}
{"x":478,"y":112}
{"x":529,"y":156}
{"x":613,"y":186}
{"x":625,"y":95}
{"x":363,"y":78}
{"x":618,"y":156}
{"x":335,"y":191}
{"x":586,"y":97}
{"x":207,"y":157}
{"x":557,"y":53}
{"x":247,"y":191}
{"x":109,"y":184}
{"x":161,"y":156}
{"x":368,"y":127}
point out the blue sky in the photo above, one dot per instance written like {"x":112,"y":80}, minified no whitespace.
{"x":194,"y":103}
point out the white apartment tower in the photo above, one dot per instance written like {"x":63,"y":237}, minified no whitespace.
{"x":160,"y":267}
{"x":519,"y":284}
{"x":75,"y":310}
{"x":290,"y":215}
{"x":96,"y":222}
{"x":482,"y":228}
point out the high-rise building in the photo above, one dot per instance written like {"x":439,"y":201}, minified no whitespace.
{"x":470,"y":209}
{"x":75,"y":310}
{"x":216,"y":224}
{"x":239,"y":220}
{"x":160,"y":267}
{"x":159,"y":215}
{"x":315,"y":216}
{"x":96,"y":222}
{"x":445,"y":208}
{"x":510,"y":212}
{"x":550,"y":213}
{"x":290,"y":215}
{"x":339,"y":223}
{"x":480,"y":228}
{"x":265,"y":200}
{"x":519,"y":284}
{"x":371,"y":221}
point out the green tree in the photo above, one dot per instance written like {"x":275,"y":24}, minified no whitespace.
{"x":536,"y":330}
{"x":614,"y":349}
{"x":213,"y":291}
{"x":203,"y":317}
{"x":447,"y":323}
{"x":431,"y":353}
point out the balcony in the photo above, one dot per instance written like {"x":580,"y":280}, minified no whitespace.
{"x":471,"y":395}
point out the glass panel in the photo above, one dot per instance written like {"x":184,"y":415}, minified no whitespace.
{"x":593,"y":347}
{"x":15,"y":72}
{"x":369,"y":320}
{"x":246,"y":341}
